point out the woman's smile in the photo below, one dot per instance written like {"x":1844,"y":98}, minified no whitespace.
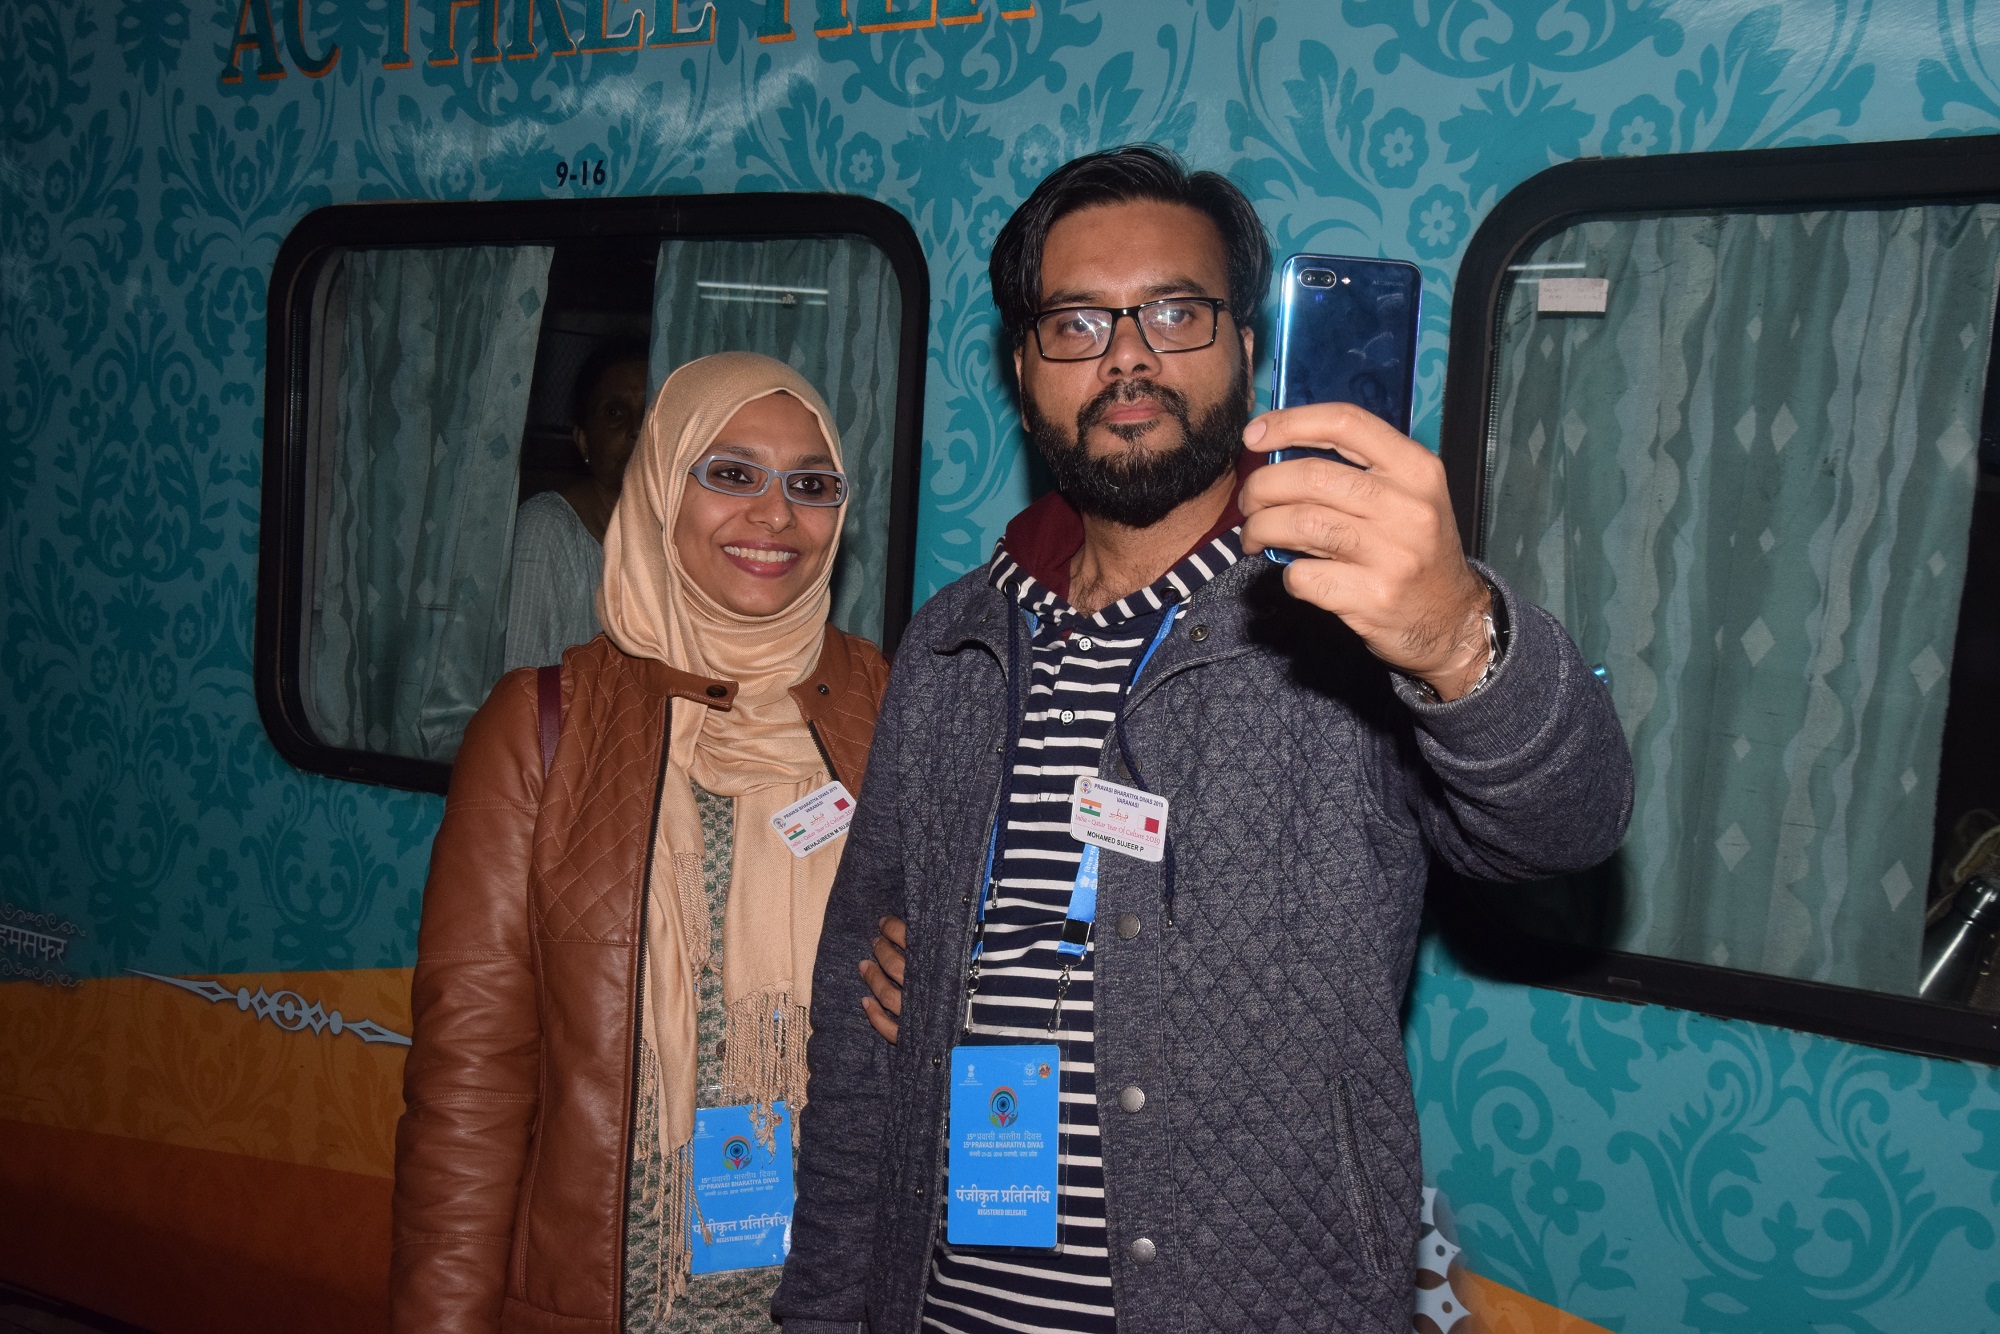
{"x":765,"y":562}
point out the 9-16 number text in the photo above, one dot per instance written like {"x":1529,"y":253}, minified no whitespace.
{"x":586,"y":172}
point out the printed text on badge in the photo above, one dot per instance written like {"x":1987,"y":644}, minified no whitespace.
{"x":1118,"y":818}
{"x":815,"y":820}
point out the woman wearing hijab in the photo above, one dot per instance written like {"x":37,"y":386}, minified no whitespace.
{"x":615,"y":933}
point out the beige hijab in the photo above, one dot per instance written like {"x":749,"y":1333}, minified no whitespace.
{"x":757,"y":750}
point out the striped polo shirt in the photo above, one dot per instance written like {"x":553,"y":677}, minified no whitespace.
{"x":1081,"y":668}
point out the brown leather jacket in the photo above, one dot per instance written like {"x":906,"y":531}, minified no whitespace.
{"x":512,"y":1153}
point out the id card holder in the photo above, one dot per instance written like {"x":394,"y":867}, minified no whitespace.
{"x":741,"y":1213}
{"x":815,"y":820}
{"x":1006,"y":1137}
{"x":1109,"y":815}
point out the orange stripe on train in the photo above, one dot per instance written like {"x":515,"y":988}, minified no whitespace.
{"x":138,"y":1057}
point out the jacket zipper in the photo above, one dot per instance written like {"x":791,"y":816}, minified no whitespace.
{"x":984,"y":887}
{"x":812,"y":730}
{"x":936,"y":1210}
{"x":638,"y":1003}
{"x":638,"y":998}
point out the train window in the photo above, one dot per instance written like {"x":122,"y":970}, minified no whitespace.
{"x":451,"y":393}
{"x":1735,"y":446}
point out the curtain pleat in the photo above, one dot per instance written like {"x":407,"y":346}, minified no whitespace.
{"x":408,"y":616}
{"x":1746,"y":490}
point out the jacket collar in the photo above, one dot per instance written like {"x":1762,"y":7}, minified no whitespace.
{"x":981,"y":619}
{"x":657,"y":678}
{"x":832,"y":677}
{"x":1224,"y":607}
{"x":1215,"y":623}
{"x":1045,"y":537}
{"x":838,"y":700}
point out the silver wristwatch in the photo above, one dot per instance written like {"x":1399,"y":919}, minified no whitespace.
{"x":1496,"y":648}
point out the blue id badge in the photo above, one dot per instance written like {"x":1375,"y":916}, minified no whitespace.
{"x":742,"y":1209}
{"x":1005,"y":1135}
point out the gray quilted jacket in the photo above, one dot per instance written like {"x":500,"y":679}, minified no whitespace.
{"x":1273,"y":1164}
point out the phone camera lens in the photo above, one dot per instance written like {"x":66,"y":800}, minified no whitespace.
{"x":1316,"y":278}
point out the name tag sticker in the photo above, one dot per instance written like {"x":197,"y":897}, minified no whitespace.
{"x":742,"y":1214}
{"x":1004,"y":1139}
{"x":1118,"y":818}
{"x":815,"y":820}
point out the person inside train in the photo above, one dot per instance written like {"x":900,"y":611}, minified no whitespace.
{"x":1159,"y":814}
{"x":559,"y":535}
{"x":617,"y":939}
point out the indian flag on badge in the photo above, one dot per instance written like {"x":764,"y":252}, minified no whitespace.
{"x":794,"y":831}
{"x":1090,"y":806}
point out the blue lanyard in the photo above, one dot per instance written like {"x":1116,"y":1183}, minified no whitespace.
{"x":1083,"y":894}
{"x":1082,"y":910}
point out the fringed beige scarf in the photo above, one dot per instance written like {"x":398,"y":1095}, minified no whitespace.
{"x":757,"y":751}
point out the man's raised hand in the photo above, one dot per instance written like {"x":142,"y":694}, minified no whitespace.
{"x":1377,"y":544}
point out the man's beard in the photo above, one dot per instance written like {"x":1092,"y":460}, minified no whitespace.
{"x":1142,"y":487}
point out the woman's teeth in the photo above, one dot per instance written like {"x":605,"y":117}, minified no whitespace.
{"x":759,"y":554}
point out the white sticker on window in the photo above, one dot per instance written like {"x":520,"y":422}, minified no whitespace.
{"x":1572,"y":296}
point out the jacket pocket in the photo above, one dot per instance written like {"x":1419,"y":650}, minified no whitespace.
{"x":1363,"y":1201}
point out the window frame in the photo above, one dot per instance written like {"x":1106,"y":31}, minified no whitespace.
{"x":1928,"y":171}
{"x":290,"y":347}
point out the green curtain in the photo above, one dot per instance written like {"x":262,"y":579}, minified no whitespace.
{"x":1746,"y":489}
{"x":830,"y":307}
{"x":421,"y":469}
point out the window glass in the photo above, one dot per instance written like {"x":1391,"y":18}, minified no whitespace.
{"x":1737,"y":455}
{"x":460,"y":406}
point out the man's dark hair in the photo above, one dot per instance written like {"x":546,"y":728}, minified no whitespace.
{"x":602,"y":358}
{"x":1117,"y":176}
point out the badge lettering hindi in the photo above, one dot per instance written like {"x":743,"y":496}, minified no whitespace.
{"x":1118,"y":818}
{"x":1005,"y":1137}
{"x":742,"y":1215}
{"x":815,"y":820}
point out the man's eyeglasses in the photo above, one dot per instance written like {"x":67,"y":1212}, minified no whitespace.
{"x":1172,"y":324}
{"x":802,"y":486}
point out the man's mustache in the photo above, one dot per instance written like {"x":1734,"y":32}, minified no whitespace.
{"x":1126,"y":392}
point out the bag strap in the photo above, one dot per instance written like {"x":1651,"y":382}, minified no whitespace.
{"x":548,"y":692}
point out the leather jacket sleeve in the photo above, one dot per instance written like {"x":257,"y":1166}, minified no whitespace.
{"x":469,"y":1085}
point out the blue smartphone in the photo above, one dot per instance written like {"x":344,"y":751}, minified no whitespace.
{"x":1347,"y":333}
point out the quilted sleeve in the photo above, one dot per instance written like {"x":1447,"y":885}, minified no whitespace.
{"x":842,"y":1123}
{"x":469,"y":1083}
{"x":1531,"y":776}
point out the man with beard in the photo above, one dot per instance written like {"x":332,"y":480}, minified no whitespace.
{"x":1208,"y":994}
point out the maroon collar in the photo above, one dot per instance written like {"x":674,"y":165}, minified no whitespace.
{"x":1045,"y":537}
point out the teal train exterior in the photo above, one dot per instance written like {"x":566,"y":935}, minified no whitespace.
{"x":199,"y":1075}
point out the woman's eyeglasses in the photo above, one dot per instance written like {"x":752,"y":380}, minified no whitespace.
{"x":802,"y":486}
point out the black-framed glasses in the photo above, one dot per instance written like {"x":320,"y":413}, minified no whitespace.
{"x":739,"y":477}
{"x":1171,"y":324}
